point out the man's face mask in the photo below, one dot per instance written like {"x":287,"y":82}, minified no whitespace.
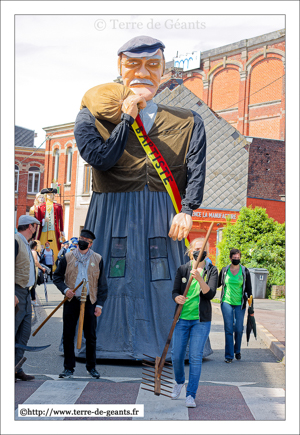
{"x":83,"y":245}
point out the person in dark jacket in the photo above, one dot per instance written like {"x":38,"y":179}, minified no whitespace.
{"x":236,"y":289}
{"x":82,"y":263}
{"x":195,"y":319}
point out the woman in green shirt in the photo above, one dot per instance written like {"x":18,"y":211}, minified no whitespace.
{"x":236,"y":289}
{"x":194,"y":321}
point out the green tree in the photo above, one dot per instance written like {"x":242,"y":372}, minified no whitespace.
{"x":261,"y":241}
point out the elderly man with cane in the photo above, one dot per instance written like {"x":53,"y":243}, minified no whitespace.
{"x":81,"y":264}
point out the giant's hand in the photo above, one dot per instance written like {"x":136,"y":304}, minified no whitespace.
{"x":132,"y":104}
{"x":181,"y":226}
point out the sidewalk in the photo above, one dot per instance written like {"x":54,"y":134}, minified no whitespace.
{"x":270,"y":323}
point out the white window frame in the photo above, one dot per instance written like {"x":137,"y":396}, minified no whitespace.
{"x":34,"y":174}
{"x":18,"y":174}
{"x":56,"y":164}
{"x":69,"y":165}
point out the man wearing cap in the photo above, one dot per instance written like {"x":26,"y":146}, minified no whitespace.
{"x":24,"y":279}
{"x":50,"y":215}
{"x":82,"y":263}
{"x":130,"y":211}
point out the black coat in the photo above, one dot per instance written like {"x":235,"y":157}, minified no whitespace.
{"x":210,"y":277}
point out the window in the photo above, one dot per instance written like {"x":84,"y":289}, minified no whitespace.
{"x":118,"y":257}
{"x":33,"y":180}
{"x":56,"y":164}
{"x":159,"y":266}
{"x":16,"y":178}
{"x":69,"y":165}
{"x":86,"y":179}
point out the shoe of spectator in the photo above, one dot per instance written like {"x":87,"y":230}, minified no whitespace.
{"x":190,"y":402}
{"x":94,"y":373}
{"x":34,"y":303}
{"x":176,"y":391}
{"x":228,"y":360}
{"x":66,"y":374}
{"x":21,"y":375}
{"x":238,"y":356}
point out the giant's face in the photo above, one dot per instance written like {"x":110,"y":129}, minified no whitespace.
{"x":50,"y":197}
{"x":41,"y":199}
{"x":142,"y":74}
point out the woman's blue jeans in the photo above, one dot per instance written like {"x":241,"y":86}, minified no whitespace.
{"x":197,"y":332}
{"x":233,"y":317}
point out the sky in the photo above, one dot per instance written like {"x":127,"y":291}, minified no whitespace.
{"x":59,"y":57}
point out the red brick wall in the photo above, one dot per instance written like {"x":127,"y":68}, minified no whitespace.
{"x":24,"y":160}
{"x":195,"y":85}
{"x":266,"y":174}
{"x":274,"y":209}
{"x":225,"y":89}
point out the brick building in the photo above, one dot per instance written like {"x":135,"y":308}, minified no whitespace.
{"x":243,"y":82}
{"x":266,"y":176}
{"x":61,"y":169}
{"x":29,"y":170}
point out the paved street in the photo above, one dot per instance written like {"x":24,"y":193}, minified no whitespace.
{"x":250,"y":389}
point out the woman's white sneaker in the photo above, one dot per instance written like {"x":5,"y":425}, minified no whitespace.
{"x":176,"y":391}
{"x":190,"y":402}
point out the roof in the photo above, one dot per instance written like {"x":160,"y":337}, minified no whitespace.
{"x":24,"y":137}
{"x":227,"y":158}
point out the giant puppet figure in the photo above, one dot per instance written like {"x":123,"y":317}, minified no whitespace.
{"x":39,"y":200}
{"x":50,"y":215}
{"x":138,"y":232}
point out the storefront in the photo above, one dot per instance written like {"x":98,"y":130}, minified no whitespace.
{"x":202,"y":219}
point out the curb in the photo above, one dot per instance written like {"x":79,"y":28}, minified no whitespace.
{"x":273,"y":344}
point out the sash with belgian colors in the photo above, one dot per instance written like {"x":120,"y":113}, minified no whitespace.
{"x":159,"y":164}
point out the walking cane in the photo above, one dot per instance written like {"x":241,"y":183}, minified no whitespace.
{"x":158,"y":364}
{"x":81,"y":315}
{"x":55,"y":309}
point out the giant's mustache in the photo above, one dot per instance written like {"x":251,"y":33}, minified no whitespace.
{"x":141,"y":82}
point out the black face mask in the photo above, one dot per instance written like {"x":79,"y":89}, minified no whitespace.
{"x":83,"y":245}
{"x":196,"y":255}
{"x":235,"y":262}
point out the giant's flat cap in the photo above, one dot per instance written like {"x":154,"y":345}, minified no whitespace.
{"x":141,"y":46}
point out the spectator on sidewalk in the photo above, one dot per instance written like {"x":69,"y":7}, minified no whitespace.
{"x":49,"y":258}
{"x":82,"y":263}
{"x":195,"y":319}
{"x":24,"y":279}
{"x":236,"y":289}
{"x":33,"y":246}
{"x":62,"y":252}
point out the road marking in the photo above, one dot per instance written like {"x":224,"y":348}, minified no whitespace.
{"x":54,"y":393}
{"x":234,"y":384}
{"x":161,"y":407}
{"x":265,"y":403}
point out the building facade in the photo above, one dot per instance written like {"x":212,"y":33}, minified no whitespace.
{"x":61,"y":169}
{"x":243,"y":82}
{"x":29,"y":171}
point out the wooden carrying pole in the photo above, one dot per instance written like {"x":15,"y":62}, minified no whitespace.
{"x":162,"y":360}
{"x":54,"y":311}
{"x":81,"y":314}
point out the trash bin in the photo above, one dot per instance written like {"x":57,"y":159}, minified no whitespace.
{"x":259,"y":282}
